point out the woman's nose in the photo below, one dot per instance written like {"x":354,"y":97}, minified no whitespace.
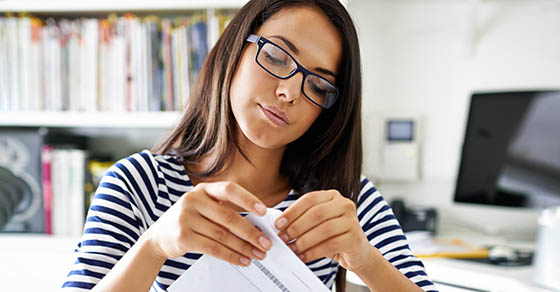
{"x":289,"y":90}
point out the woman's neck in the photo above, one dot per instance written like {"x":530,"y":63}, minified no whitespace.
{"x":260,"y":175}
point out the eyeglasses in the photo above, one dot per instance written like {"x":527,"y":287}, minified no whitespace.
{"x":280,"y":64}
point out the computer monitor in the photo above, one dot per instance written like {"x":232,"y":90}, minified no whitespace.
{"x":511,"y":150}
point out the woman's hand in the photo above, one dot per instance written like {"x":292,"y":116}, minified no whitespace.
{"x":325,"y":224}
{"x":200,"y":222}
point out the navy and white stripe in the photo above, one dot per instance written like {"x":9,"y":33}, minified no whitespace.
{"x":137,"y":190}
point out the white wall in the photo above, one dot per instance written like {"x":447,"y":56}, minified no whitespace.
{"x":424,"y":58}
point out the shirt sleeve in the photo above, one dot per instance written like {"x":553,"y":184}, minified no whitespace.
{"x":114,"y":221}
{"x":385,"y":233}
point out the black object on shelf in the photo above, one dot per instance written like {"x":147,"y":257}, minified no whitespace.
{"x":21,"y":202}
{"x":415,"y":218}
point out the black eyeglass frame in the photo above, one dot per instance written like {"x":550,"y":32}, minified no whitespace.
{"x":261,"y":41}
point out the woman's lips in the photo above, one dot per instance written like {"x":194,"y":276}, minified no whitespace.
{"x":275,"y":115}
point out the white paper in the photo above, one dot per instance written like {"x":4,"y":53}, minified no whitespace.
{"x":281,"y":270}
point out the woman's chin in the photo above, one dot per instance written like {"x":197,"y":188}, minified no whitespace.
{"x":267,"y":143}
{"x":263,"y":139}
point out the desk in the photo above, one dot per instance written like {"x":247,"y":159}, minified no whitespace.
{"x":40,"y":263}
{"x":453,"y":275}
{"x":484,"y":277}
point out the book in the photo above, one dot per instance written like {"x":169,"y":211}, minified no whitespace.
{"x":59,"y":198}
{"x":90,"y":57}
{"x":104,"y":65}
{"x":36,"y":99}
{"x":75,"y":71}
{"x":96,"y":169}
{"x":75,"y":215}
{"x":46,"y":165}
{"x":65,"y":28}
{"x":4,"y":66}
{"x":14,"y":63}
{"x":167,"y":64}
{"x":118,"y":72}
{"x":183,"y":64}
{"x":155,"y":79}
{"x":68,"y":202}
{"x":24,"y":27}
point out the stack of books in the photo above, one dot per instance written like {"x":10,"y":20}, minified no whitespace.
{"x":69,"y":181}
{"x":114,"y":64}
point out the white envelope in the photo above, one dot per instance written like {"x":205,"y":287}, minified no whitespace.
{"x":281,"y":270}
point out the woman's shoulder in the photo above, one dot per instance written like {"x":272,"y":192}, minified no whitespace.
{"x":153,"y":180}
{"x":147,"y":159}
{"x":161,"y":167}
{"x":369,"y":196}
{"x":366,"y":186}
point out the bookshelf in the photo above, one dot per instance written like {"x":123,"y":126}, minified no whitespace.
{"x":102,"y":56}
{"x":110,"y":131}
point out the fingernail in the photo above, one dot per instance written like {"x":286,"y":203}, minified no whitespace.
{"x":260,"y":208}
{"x":245,"y":261}
{"x":281,"y":222}
{"x":259,"y":254}
{"x":265,"y":243}
{"x":284,"y":237}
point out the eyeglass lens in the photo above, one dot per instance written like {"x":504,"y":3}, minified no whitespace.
{"x":279,"y":63}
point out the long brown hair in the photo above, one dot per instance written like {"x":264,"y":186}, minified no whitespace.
{"x":327,"y":156}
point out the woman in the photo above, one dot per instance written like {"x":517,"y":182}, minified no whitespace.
{"x":273,"y":121}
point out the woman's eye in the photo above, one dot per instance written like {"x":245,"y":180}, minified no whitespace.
{"x":275,"y":59}
{"x":319,"y":90}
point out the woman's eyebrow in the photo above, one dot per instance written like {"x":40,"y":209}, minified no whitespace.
{"x":290,"y":45}
{"x":294,"y":49}
{"x":325,"y":71}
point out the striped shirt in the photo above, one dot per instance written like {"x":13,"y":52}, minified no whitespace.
{"x":137,"y":190}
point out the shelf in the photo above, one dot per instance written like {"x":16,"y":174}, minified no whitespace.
{"x":61,"y":6}
{"x":51,"y":258}
{"x":153,"y":120}
{"x":64,"y":6}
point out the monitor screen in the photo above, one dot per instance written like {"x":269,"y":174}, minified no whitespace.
{"x":511,"y":150}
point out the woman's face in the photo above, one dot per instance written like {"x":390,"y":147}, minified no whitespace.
{"x":257,"y":98}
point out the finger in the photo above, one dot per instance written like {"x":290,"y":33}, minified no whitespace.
{"x":301,"y":205}
{"x":327,"y":248}
{"x":218,"y":233}
{"x":323,"y":232}
{"x":232,"y":192}
{"x":208,"y":246}
{"x":234,"y":222}
{"x":313,"y":217}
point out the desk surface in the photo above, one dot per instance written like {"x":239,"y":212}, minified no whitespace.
{"x":52,"y":256}
{"x":457,"y":275}
{"x":452,"y":275}
{"x":484,"y":277}
{"x":34,"y":262}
